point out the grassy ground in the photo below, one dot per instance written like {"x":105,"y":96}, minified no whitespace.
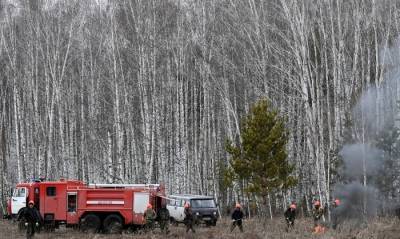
{"x":382,"y":228}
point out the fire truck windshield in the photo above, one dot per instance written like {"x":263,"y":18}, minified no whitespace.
{"x":19,"y":192}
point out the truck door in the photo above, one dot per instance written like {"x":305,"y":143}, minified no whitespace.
{"x":18,"y":199}
{"x":54,"y":202}
{"x":140,"y":201}
{"x":72,"y":205}
{"x":36,"y":197}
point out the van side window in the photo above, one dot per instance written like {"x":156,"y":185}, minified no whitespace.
{"x":51,"y":191}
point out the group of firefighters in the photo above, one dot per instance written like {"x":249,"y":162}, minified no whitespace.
{"x":150,"y":217}
{"x":33,"y":218}
{"x":163,"y":217}
{"x":317,"y":213}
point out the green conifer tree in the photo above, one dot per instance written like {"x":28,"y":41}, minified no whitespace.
{"x":261,"y":158}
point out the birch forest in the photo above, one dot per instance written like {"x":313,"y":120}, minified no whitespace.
{"x":149,"y":91}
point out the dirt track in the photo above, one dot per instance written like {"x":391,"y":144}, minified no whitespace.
{"x":254,"y":229}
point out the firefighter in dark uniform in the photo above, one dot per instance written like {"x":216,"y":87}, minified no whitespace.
{"x":237,"y":217}
{"x":290,"y":216}
{"x":163,"y":218}
{"x":397,"y":212}
{"x":317,"y":213}
{"x":189,"y":218}
{"x":150,"y":217}
{"x":32,"y":219}
{"x":335,"y":213}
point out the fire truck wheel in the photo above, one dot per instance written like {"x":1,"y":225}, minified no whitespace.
{"x":112,"y":224}
{"x":90,"y":223}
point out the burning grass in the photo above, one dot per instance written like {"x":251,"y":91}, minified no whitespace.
{"x":380,"y":228}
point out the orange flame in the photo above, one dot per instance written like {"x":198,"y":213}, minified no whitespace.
{"x":319,"y":229}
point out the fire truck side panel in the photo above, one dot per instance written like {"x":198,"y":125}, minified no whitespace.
{"x":53,"y":201}
{"x":105,"y":201}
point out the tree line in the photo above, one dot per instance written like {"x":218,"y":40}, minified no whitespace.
{"x":149,"y":91}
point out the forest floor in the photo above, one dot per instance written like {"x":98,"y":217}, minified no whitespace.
{"x":382,"y":228}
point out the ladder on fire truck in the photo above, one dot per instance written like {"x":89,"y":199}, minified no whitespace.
{"x":127,"y":186}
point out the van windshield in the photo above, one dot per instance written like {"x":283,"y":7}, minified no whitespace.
{"x":202,"y":203}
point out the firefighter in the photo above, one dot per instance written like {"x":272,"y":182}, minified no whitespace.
{"x":335,"y":213}
{"x":397,"y":212}
{"x":163,"y":218}
{"x":189,"y":218}
{"x":317,"y":213}
{"x":237,"y":217}
{"x":290,"y":215}
{"x":32,"y":219}
{"x":150,"y":216}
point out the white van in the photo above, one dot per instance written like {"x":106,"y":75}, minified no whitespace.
{"x":204,"y":208}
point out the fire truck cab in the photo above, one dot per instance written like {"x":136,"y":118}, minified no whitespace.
{"x":93,"y":207}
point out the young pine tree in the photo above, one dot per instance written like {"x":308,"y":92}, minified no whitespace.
{"x":261,"y":159}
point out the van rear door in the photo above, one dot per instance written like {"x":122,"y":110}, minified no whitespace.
{"x":176,"y":209}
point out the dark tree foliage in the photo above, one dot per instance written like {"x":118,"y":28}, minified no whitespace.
{"x":261,"y":157}
{"x":387,"y":178}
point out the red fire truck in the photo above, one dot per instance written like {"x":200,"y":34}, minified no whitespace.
{"x":92,"y":207}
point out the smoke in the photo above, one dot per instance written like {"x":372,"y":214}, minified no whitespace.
{"x":354,"y":156}
{"x":375,"y":112}
{"x":357,"y":201}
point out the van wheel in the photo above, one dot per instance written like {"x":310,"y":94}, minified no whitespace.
{"x":90,"y":223}
{"x":112,"y":224}
{"x":173,"y":221}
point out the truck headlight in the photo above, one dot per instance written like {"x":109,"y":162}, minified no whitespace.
{"x":197,"y":213}
{"x":215,"y":213}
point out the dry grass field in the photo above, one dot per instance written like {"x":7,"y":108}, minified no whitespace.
{"x":382,"y":228}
